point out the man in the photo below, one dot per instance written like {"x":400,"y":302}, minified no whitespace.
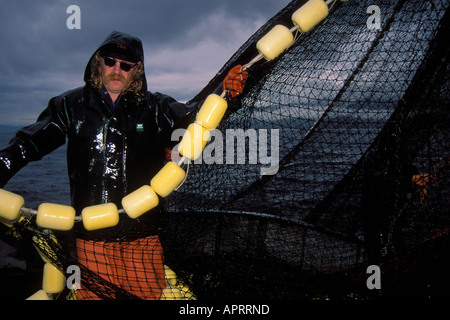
{"x":117,"y":132}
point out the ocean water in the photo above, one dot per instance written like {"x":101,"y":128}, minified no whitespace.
{"x":41,"y":181}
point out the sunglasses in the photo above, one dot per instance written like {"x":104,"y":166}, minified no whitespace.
{"x":111,"y":62}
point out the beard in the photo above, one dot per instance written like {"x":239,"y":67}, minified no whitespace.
{"x":116,"y":77}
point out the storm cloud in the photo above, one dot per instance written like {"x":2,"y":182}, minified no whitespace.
{"x":185,"y":44}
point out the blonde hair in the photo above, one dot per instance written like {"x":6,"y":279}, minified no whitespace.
{"x":135,"y":85}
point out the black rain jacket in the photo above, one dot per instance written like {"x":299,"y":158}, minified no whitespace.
{"x":109,"y":153}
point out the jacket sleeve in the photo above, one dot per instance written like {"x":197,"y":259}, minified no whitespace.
{"x":175,"y":114}
{"x":33,"y":142}
{"x":171,"y":114}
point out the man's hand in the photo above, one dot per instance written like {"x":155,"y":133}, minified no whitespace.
{"x":422,"y":182}
{"x":235,"y":81}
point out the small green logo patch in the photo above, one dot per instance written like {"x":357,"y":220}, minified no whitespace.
{"x":140,"y":127}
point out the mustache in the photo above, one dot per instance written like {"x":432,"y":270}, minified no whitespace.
{"x":115,"y":77}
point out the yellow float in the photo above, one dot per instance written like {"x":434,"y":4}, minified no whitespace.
{"x":100,"y":216}
{"x":310,"y":15}
{"x":140,"y":201}
{"x":55,"y":217}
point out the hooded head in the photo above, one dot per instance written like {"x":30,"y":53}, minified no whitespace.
{"x":123,"y":47}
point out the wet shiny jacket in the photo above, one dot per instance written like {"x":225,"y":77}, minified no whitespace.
{"x":109,"y":153}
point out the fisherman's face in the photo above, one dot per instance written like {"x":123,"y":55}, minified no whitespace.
{"x":114,"y":77}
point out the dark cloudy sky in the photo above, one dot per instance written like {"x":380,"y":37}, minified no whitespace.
{"x":185,"y":43}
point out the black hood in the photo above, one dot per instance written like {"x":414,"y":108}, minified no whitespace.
{"x":132,"y":45}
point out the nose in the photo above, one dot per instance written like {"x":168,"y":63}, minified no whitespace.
{"x":116,"y":68}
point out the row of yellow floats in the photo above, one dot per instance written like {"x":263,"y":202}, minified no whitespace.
{"x":170,"y":177}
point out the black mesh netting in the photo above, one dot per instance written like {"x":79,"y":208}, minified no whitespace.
{"x":360,"y":112}
{"x":358,"y":119}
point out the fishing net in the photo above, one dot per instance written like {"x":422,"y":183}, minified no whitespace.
{"x":334,"y":159}
{"x":361,"y":113}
